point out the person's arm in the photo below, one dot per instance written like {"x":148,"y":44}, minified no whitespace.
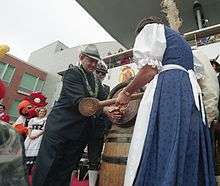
{"x":29,"y":133}
{"x":36,"y":135}
{"x":148,"y":51}
{"x":144,"y":76}
{"x":39,"y":134}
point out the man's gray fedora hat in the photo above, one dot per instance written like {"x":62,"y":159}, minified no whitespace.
{"x":91,"y":51}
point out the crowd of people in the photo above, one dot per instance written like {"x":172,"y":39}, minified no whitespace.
{"x":174,"y":133}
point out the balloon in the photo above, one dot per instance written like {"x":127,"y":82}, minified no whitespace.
{"x":3,"y":50}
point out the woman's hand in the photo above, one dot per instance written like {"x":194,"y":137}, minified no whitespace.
{"x":123,"y":99}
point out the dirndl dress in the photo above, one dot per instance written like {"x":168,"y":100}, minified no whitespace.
{"x":171,"y":143}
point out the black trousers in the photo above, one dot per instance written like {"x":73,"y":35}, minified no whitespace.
{"x":57,"y":157}
{"x":95,"y":144}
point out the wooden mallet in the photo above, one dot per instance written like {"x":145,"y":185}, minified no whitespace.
{"x":89,"y":106}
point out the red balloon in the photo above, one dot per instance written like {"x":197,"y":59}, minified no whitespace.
{"x":2,"y":90}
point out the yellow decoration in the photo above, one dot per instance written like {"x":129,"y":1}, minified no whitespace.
{"x":3,"y":50}
{"x":126,"y":73}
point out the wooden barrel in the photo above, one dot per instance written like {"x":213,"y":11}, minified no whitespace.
{"x":117,"y":144}
{"x":114,"y":158}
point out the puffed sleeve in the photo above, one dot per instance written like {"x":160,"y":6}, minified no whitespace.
{"x":150,"y":45}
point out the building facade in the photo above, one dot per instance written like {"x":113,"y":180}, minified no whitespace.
{"x":20,"y":79}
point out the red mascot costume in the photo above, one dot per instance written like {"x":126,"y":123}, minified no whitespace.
{"x":28,"y":109}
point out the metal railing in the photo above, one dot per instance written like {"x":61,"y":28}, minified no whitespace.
{"x":197,"y":37}
{"x":204,"y":32}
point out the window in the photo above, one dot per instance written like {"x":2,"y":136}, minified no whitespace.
{"x":28,"y":82}
{"x":31,"y":83}
{"x":39,"y":85}
{"x":6,"y":72}
{"x":13,"y":112}
{"x":2,"y":68}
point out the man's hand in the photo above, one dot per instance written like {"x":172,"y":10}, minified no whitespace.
{"x":113,"y":112}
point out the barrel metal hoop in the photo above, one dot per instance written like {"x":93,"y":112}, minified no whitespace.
{"x":119,"y":140}
{"x":118,"y":132}
{"x":115,"y":160}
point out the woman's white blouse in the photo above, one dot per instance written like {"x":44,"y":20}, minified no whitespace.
{"x":150,"y":45}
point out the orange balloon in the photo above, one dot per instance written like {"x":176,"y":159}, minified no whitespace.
{"x":3,"y":50}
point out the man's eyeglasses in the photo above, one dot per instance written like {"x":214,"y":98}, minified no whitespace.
{"x":100,"y":72}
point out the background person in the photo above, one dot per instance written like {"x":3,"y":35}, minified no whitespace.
{"x":27,"y":109}
{"x":208,"y":82}
{"x":12,"y":170}
{"x":101,"y":72}
{"x":35,"y":133}
{"x":216,"y":125}
{"x":215,"y":64}
{"x":11,"y":154}
{"x":3,"y":115}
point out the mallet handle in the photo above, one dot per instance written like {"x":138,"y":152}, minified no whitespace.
{"x":113,"y":100}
